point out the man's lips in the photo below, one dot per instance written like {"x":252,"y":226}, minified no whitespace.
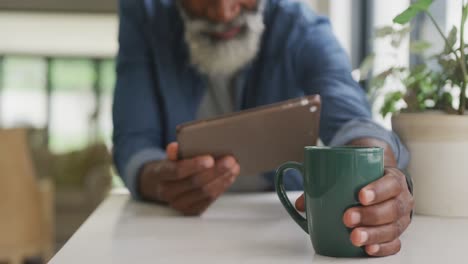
{"x":228,"y":34}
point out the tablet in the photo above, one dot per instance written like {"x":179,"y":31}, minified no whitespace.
{"x":259,"y":138}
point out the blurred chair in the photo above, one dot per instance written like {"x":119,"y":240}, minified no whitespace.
{"x":26,"y":205}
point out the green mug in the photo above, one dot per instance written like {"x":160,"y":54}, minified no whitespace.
{"x":333,"y":177}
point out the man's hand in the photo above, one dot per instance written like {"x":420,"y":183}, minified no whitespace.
{"x":189,"y":186}
{"x":383,"y":216}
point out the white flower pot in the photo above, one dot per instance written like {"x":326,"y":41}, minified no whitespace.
{"x":438,"y":144}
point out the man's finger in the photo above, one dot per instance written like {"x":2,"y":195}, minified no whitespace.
{"x":200,"y":179}
{"x":387,"y":187}
{"x":197,"y":208}
{"x":173,"y":189}
{"x":190,"y":207}
{"x":300,"y":203}
{"x":210,"y":191}
{"x":375,"y":215}
{"x":172,"y":151}
{"x":385,"y":249}
{"x":381,"y":234}
{"x":189,"y":167}
{"x":176,"y":170}
{"x":225,"y":164}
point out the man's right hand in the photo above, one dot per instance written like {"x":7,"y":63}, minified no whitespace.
{"x":189,"y":186}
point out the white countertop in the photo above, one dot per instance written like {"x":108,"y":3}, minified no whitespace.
{"x":241,"y":228}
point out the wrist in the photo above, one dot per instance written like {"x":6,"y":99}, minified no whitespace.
{"x":389,"y":156}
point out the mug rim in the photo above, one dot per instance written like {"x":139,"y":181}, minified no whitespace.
{"x":345,"y":148}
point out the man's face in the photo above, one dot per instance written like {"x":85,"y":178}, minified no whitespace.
{"x":219,"y":12}
{"x":222,"y":35}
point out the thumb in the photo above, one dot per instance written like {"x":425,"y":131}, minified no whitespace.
{"x":171,"y":151}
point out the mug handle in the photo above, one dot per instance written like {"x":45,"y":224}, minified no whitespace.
{"x":300,"y":220}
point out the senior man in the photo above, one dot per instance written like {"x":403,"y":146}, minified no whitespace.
{"x":181,"y":60}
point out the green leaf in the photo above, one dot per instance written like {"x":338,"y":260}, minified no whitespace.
{"x":427,"y":89}
{"x":449,"y":65}
{"x":447,"y":98}
{"x":379,"y":81}
{"x":399,"y":36}
{"x":451,"y":40}
{"x":419,"y":47}
{"x":423,"y":5}
{"x":406,"y":16}
{"x":412,"y":11}
{"x":366,"y":66}
{"x":404,"y":31}
{"x":384,"y":31}
{"x":390,"y":102}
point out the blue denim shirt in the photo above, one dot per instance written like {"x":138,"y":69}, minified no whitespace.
{"x":157,"y":88}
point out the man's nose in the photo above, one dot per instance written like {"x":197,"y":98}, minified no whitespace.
{"x":224,"y":11}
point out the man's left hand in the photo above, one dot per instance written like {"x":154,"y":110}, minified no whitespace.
{"x":382,"y":218}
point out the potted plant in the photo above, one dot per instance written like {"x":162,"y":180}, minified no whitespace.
{"x":429,"y":112}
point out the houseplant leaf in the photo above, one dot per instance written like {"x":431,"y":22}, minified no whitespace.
{"x":404,"y":31}
{"x":406,"y":16}
{"x":419,"y":47}
{"x":366,"y":66}
{"x":379,"y":81}
{"x":390,"y":103}
{"x":399,"y":36}
{"x":384,"y":32}
{"x":412,"y":11}
{"x":451,"y":40}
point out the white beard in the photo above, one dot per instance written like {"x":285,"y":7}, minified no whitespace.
{"x":224,"y":57}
